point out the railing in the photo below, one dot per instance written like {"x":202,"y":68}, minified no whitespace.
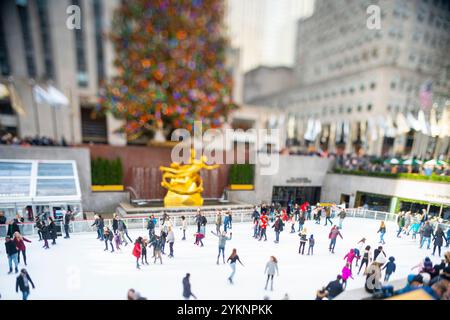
{"x":138,"y":222}
{"x":239,"y":216}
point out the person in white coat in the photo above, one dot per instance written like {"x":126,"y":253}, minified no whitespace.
{"x":271,"y":269}
{"x":170,"y":240}
{"x":183,"y":226}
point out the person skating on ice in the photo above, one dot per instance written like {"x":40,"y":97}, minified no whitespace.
{"x":157,"y":249}
{"x":144,"y":245}
{"x":366,"y":259}
{"x":377,"y":252}
{"x":438,"y":240}
{"x":137,"y":251}
{"x":45,"y":235}
{"x":19,"y":241}
{"x":328,"y":216}
{"x":232,"y":259}
{"x":52,"y":230}
{"x":12,"y":253}
{"x":218,"y":221}
{"x":183,"y":227}
{"x":23,"y":282}
{"x":187,"y":293}
{"x":349,"y":257}
{"x":334,"y":233}
{"x":359,"y":249}
{"x":170,"y":241}
{"x":108,"y":236}
{"x":334,"y":288}
{"x":222,"y":242}
{"x":271,"y":269}
{"x":427,"y":234}
{"x":255,"y":217}
{"x":311,"y":243}
{"x":390,"y":268}
{"x":117,"y":240}
{"x":264,"y":220}
{"x":346,"y":274}
{"x":342,"y":214}
{"x":382,"y":232}
{"x":151,"y":226}
{"x":278,"y":227}
{"x":303,"y":239}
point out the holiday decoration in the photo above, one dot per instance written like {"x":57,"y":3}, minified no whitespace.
{"x":170,"y":61}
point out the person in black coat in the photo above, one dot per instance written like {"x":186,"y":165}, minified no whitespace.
{"x":2,"y":218}
{"x":115,"y":223}
{"x":23,"y":283}
{"x":187,"y":293}
{"x":67,"y":218}
{"x":438,"y":239}
{"x":334,"y":288}
{"x":13,"y":254}
{"x":13,"y":227}
{"x":151,"y":226}
{"x":52,"y":231}
{"x":390,"y":268}
{"x":45,"y":234}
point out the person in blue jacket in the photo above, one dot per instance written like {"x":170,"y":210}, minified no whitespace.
{"x":390,"y":268}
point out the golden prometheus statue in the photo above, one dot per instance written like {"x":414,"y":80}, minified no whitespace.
{"x":183,"y":182}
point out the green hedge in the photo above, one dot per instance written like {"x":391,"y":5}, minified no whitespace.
{"x":408,"y":176}
{"x":242,"y":174}
{"x":106,"y":172}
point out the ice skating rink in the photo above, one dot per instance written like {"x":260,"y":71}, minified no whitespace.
{"x":78,"y":268}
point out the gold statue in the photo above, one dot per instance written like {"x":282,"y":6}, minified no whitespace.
{"x":183,"y":182}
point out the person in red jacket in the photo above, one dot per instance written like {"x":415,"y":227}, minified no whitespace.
{"x":137,"y":250}
{"x":19,"y":240}
{"x":263,"y":220}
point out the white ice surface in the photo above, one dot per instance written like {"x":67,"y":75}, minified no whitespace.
{"x":78,"y":268}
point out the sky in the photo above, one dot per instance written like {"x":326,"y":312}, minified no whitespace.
{"x":264,"y":30}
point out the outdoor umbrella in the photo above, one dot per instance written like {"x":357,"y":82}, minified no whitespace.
{"x":412,"y":162}
{"x":436,"y":162}
{"x":392,"y":161}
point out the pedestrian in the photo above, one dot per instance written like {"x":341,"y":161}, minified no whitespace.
{"x":427,"y":233}
{"x":67,"y":219}
{"x":137,"y":251}
{"x":12,"y":253}
{"x":218,"y":221}
{"x":438,"y":240}
{"x":170,"y":241}
{"x":263,"y":220}
{"x":342,"y":214}
{"x":23,"y":282}
{"x":271,"y":268}
{"x":233,"y":258}
{"x":303,"y":239}
{"x":390,"y":268}
{"x":144,"y":244}
{"x":187,"y":293}
{"x":222,"y":242}
{"x":108,"y":237}
{"x":183,"y":227}
{"x":366,"y":259}
{"x":334,"y":288}
{"x":346,"y":274}
{"x":151,"y":226}
{"x":382,"y":232}
{"x":278,"y":227}
{"x":328,"y":215}
{"x":334,"y":233}
{"x":311,"y":243}
{"x":19,"y":241}
{"x":52,"y":230}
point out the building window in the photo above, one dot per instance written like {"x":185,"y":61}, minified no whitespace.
{"x":369,"y":107}
{"x":4,"y":60}
{"x":373,"y":85}
{"x":99,"y":40}
{"x":27,"y":39}
{"x":42,"y":8}
{"x":359,"y":108}
{"x":82,"y":77}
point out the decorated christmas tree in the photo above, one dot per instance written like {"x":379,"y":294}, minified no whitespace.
{"x":170,"y":61}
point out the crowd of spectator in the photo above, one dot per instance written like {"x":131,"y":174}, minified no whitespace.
{"x":10,"y":139}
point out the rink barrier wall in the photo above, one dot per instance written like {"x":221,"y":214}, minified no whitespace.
{"x":239,"y":216}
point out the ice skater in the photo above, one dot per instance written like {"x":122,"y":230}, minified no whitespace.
{"x":346,"y":274}
{"x":264,"y":220}
{"x":232,"y":259}
{"x":137,"y":251}
{"x":222,"y":242}
{"x":303,"y":239}
{"x":218,"y":221}
{"x":271,"y":268}
{"x":328,"y":216}
{"x":438,"y":240}
{"x":390,"y":268}
{"x":349,"y":257}
{"x":19,"y":241}
{"x":170,"y":241}
{"x":187,"y":293}
{"x":12,"y":253}
{"x":23,"y":282}
{"x":334,"y":233}
{"x":52,"y":231}
{"x":108,"y":236}
{"x":124,"y":231}
{"x":278,"y":227}
{"x":144,"y":245}
{"x":183,"y":227}
{"x":151,"y":226}
{"x":157,"y":244}
{"x":342,"y":214}
{"x":382,"y":232}
{"x":117,"y":240}
{"x":360,"y":245}
{"x":366,"y":259}
{"x":311,"y":243}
